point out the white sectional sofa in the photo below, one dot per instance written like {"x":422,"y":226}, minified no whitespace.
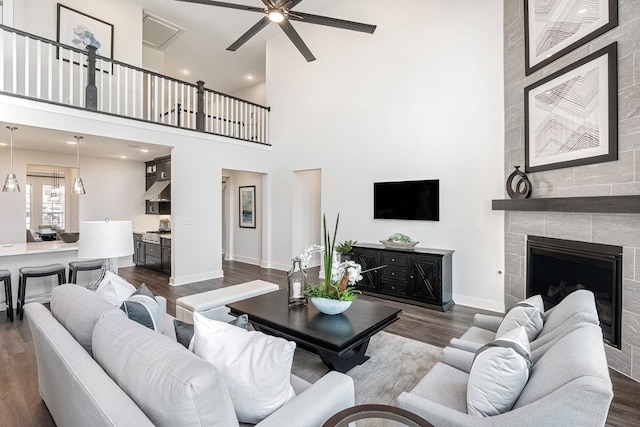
{"x":96,"y":367}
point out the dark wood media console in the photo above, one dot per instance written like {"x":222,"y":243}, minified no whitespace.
{"x":418,"y":276}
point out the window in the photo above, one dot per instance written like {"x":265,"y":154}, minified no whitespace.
{"x":53,"y":205}
{"x":29,"y":204}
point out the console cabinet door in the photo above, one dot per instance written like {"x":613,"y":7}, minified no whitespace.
{"x":367,"y":259}
{"x":425,"y":277}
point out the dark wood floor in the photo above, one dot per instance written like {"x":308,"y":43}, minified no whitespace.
{"x":20,"y":404}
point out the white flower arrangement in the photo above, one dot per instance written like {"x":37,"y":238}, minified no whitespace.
{"x":305,"y":257}
{"x":353,"y":268}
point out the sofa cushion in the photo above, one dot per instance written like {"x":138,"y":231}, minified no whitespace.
{"x":498,"y":375}
{"x":171,"y":385}
{"x":114,"y":289}
{"x":528,"y":313}
{"x":78,"y":310}
{"x":256,"y":367}
{"x":143,"y":308}
{"x":185,"y":331}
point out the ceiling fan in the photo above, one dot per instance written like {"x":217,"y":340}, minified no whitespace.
{"x":279,"y":11}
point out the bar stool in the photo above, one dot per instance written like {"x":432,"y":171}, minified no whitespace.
{"x":76,"y":266}
{"x":5,"y":276}
{"x":43,"y":271}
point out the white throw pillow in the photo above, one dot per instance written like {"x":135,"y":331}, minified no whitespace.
{"x":499,"y":373}
{"x":256,"y":367}
{"x":115,"y":289}
{"x":528,"y":313}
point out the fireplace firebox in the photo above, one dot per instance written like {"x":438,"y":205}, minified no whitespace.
{"x":557,"y":267}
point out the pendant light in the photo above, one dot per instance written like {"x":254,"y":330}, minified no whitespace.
{"x":78,"y":186}
{"x":11,"y":183}
{"x":54,"y":194}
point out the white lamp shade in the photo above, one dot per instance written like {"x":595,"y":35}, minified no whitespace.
{"x":105,"y":239}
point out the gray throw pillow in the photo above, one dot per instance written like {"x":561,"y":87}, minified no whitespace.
{"x":499,"y":373}
{"x":143,"y":308}
{"x":185,"y":331}
{"x":528,"y":313}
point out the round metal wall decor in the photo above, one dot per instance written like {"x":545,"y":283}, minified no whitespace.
{"x":522,"y":189}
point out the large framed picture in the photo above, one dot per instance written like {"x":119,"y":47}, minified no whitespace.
{"x":554,"y":28}
{"x":248,"y":206}
{"x":571,"y":116}
{"x":80,"y":30}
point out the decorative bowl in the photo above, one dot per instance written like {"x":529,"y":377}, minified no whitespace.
{"x":330,"y":306}
{"x":398,"y":245}
{"x":69,"y":237}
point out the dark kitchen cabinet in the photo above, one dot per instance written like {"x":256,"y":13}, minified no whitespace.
{"x":165,"y":261}
{"x":418,"y":276}
{"x":163,"y":169}
{"x":153,"y":254}
{"x":138,"y":249}
{"x":158,"y":169}
{"x":158,"y":208}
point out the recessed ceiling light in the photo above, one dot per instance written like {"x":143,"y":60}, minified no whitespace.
{"x":582,"y":11}
{"x":144,"y":150}
{"x":185,"y":71}
{"x":71,"y":142}
{"x":3,"y":144}
{"x":249,"y":77}
{"x":123,"y":157}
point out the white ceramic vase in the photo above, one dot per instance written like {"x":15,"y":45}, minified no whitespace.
{"x":330,"y":306}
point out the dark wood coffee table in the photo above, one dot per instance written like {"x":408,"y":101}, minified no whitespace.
{"x":340,"y":340}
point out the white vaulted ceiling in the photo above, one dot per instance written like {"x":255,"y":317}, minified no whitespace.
{"x":209,"y":30}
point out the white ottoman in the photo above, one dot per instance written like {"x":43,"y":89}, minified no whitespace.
{"x":212,"y":303}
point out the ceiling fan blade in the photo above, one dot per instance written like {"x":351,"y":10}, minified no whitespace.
{"x":297,"y":40}
{"x":288,"y":4}
{"x":332,"y":22}
{"x":227,"y":5}
{"x":250,"y":33}
{"x":269,"y":3}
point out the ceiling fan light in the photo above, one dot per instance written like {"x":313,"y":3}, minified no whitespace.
{"x":276,"y":16}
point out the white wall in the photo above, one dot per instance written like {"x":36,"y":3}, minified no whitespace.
{"x":114,"y":189}
{"x":419,"y":99}
{"x":40,"y":17}
{"x":307,"y":212}
{"x":256,"y":93}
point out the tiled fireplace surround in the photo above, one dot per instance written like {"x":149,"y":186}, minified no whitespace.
{"x":621,"y":177}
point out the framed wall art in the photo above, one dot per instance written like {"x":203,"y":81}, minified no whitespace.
{"x":248,"y":206}
{"x":553,"y":28}
{"x":80,"y":30}
{"x":571,"y":116}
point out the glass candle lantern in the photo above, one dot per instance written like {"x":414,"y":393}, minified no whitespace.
{"x":297,"y":283}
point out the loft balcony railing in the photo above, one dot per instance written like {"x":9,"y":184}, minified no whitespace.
{"x":36,"y":68}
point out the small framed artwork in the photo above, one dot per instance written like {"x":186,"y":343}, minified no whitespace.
{"x":248,"y":206}
{"x":571,"y":116}
{"x":79,"y":30}
{"x":554,"y":28}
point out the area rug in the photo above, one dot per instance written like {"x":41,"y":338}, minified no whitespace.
{"x":396,"y":364}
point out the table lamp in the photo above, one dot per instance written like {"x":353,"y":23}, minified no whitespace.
{"x":106,"y":240}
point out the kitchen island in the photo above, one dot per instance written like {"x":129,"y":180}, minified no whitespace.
{"x":13,"y":256}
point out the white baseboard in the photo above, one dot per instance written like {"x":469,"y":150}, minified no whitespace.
{"x":479,"y":303}
{"x":247,"y":260}
{"x":184,"y":280}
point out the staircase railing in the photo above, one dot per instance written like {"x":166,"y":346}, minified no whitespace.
{"x":37,"y":68}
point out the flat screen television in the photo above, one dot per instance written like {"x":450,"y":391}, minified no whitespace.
{"x":411,"y":200}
